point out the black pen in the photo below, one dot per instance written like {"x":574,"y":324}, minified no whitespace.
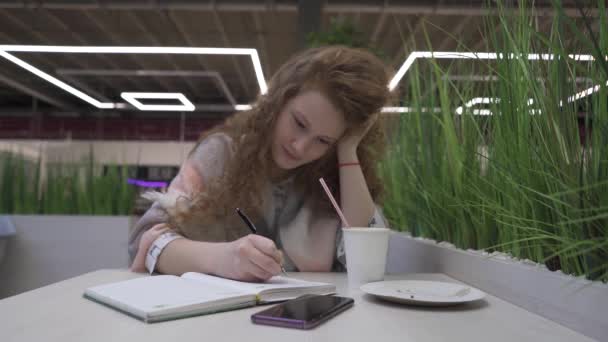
{"x":248,"y":222}
{"x":253,"y":229}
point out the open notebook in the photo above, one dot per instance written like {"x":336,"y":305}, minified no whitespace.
{"x":164,"y":297}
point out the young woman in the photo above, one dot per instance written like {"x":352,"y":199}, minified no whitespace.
{"x":318,"y":119}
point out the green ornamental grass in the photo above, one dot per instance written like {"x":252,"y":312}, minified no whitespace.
{"x":531,"y":179}
{"x":63,"y":188}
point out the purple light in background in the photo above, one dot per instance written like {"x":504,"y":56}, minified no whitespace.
{"x":146,"y":184}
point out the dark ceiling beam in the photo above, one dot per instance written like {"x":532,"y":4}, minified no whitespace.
{"x":237,"y":66}
{"x":448,"y":9}
{"x":11,"y":82}
{"x":169,"y":16}
{"x":406,"y":47}
{"x":116,"y":39}
{"x":454,"y":33}
{"x":184,"y":33}
{"x":379,"y":25}
{"x":309,"y":19}
{"x":155,"y":42}
{"x":247,"y":6}
{"x":540,"y":28}
{"x":40,"y":37}
{"x":84,"y":42}
{"x":260,"y":34}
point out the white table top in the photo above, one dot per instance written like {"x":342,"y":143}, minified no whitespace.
{"x":58,"y":312}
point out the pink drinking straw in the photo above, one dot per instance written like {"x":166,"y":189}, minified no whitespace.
{"x":333,"y":201}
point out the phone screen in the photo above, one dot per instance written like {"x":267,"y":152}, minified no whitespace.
{"x":303,"y":312}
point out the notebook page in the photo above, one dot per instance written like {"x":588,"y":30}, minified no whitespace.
{"x":161,"y":294}
{"x":274,"y":283}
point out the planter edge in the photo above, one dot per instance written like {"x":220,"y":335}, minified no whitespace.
{"x":574,"y":302}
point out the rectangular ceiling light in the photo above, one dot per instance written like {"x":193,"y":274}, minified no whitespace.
{"x":242,"y":107}
{"x":132,"y":98}
{"x":482,"y":55}
{"x":5,"y":49}
{"x":469,"y":55}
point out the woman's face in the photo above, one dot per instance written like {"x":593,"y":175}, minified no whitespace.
{"x":307,"y":127}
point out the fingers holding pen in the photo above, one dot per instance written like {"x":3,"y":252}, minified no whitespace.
{"x":268,"y":247}
{"x":265,"y":254}
{"x":255,"y":258}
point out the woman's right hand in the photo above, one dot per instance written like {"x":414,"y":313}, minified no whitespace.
{"x":251,"y":258}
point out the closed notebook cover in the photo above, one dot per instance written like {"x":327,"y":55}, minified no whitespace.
{"x":164,"y":297}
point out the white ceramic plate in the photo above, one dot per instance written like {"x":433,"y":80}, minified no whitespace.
{"x":419,"y":292}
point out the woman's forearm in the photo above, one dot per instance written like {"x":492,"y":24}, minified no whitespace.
{"x":185,"y":255}
{"x":356,"y":200}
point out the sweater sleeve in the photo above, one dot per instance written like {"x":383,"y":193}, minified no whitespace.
{"x":205,"y":162}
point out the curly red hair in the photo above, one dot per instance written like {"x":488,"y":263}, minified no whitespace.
{"x":354,"y":80}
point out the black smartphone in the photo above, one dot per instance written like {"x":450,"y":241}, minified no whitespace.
{"x":304,"y":312}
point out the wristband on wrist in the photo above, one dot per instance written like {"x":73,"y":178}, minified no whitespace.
{"x":348,"y":164}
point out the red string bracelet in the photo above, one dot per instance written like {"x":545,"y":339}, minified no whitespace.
{"x":348,"y":164}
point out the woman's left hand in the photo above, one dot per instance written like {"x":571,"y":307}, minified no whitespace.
{"x":347,"y":146}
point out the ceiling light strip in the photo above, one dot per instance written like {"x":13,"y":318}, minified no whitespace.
{"x":471,"y":55}
{"x":127,"y":49}
{"x":132,"y":98}
{"x":4,"y":49}
{"x":56,"y":82}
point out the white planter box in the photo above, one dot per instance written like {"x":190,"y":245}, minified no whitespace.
{"x":50,"y":248}
{"x":574,"y":302}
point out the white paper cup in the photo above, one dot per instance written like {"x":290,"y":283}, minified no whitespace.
{"x":365,"y":250}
